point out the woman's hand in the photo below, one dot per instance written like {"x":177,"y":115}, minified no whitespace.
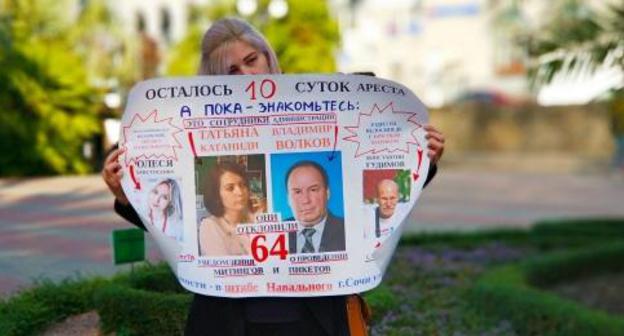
{"x":112,"y":173}
{"x":436,"y":143}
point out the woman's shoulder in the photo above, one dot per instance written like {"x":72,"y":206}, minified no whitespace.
{"x":211,"y":237}
{"x":209,"y":224}
{"x":210,"y":219}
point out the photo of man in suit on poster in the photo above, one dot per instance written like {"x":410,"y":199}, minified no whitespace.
{"x":309,"y":194}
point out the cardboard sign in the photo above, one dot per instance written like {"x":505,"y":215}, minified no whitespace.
{"x":274,"y":185}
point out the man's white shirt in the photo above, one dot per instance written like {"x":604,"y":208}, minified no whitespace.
{"x":386,"y":225}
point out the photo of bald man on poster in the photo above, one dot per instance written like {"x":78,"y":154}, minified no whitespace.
{"x":307,"y":187}
{"x":387,"y":200}
{"x":387,"y":192}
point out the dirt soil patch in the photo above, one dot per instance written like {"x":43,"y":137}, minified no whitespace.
{"x":87,"y":324}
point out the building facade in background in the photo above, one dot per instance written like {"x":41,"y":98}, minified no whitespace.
{"x":446,"y":50}
{"x":163,"y":20}
{"x":441,"y":49}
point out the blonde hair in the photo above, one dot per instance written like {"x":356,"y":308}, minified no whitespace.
{"x":221,"y":34}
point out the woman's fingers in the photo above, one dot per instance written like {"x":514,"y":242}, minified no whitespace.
{"x":435,"y":145}
{"x":114,"y":155}
{"x":429,"y":128}
{"x":112,"y":174}
{"x":435,"y":154}
{"x":433,"y":133}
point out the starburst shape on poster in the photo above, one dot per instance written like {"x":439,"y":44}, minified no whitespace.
{"x":150,"y":138}
{"x":384,"y":117}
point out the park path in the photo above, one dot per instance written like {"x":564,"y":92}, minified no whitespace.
{"x":469,"y":200}
{"x":60,"y":227}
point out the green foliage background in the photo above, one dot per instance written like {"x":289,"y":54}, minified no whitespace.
{"x":304,"y":40}
{"x":47,"y":108}
{"x":56,"y":67}
{"x":579,"y":30}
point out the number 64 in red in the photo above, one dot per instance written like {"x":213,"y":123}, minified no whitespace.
{"x":261,"y":252}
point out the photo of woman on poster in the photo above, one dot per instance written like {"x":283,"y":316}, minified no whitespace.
{"x":227,"y":199}
{"x":165,"y":208}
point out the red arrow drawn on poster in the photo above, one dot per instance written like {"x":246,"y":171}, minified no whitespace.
{"x":420,"y":154}
{"x":333,"y":153}
{"x":192,"y":143}
{"x":137,"y":184}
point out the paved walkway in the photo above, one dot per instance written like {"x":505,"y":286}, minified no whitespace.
{"x":60,"y":227}
{"x":465,"y":200}
{"x":55,"y":228}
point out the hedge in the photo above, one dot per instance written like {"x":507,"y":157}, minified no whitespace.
{"x":560,"y":266}
{"x":130,"y":311}
{"x":547,"y":234}
{"x":507,"y":293}
{"x":156,"y":278}
{"x":35,"y":309}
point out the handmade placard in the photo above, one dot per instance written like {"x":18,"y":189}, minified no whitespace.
{"x":274,"y":185}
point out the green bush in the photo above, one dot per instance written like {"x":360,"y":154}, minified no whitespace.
{"x":23,"y":315}
{"x":551,"y":269}
{"x":33,"y":310}
{"x":545,"y":235}
{"x":131,"y":311}
{"x":147,"y":301}
{"x":381,"y":300}
{"x":467,"y":239}
{"x":594,"y":227}
{"x":506,"y":293}
{"x":155,"y":278}
{"x":534,"y":312}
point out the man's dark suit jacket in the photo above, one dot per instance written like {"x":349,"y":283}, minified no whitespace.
{"x":333,"y":238}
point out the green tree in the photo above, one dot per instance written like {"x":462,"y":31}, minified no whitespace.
{"x":579,"y":34}
{"x":47,"y":108}
{"x":110,"y":54}
{"x":574,"y":31}
{"x":183,"y":59}
{"x":304,"y":40}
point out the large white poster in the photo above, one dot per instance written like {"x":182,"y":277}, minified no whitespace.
{"x":274,"y":185}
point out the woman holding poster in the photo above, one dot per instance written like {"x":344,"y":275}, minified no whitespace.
{"x":227,"y":198}
{"x":232,"y":47}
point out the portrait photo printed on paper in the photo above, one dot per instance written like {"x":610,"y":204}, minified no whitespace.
{"x":386,"y":193}
{"x":230,"y":191}
{"x":308,"y":188}
{"x":163,"y":207}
